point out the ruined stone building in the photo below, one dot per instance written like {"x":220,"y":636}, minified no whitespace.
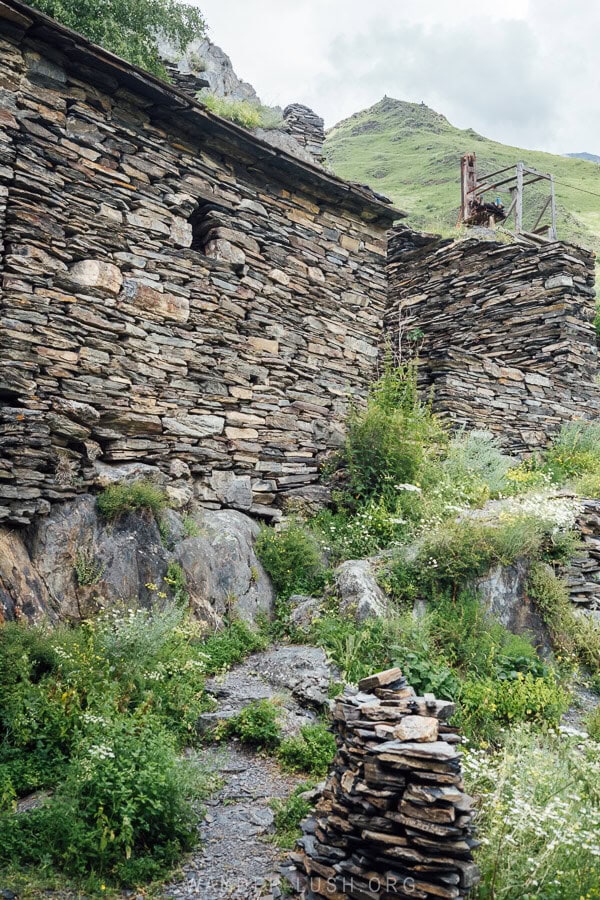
{"x":176,"y":292}
{"x":179,"y":294}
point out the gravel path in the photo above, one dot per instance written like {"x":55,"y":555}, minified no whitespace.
{"x":236,"y":860}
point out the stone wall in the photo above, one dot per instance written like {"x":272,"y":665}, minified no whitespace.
{"x":505,"y":332}
{"x":176,"y":293}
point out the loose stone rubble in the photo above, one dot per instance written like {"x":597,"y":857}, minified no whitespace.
{"x":393,"y":819}
{"x":504,"y":332}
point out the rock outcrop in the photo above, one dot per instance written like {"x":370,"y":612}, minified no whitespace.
{"x":73,"y":563}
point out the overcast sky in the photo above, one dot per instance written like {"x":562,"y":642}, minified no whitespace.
{"x":524,"y":72}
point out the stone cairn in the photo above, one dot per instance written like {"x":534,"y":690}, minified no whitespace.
{"x":393,"y":819}
{"x":307,"y":127}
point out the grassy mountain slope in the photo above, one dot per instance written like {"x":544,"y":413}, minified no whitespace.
{"x":412,"y":154}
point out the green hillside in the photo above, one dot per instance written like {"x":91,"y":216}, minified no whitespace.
{"x":412,"y":154}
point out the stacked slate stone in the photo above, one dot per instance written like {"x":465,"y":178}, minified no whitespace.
{"x":307,"y":127}
{"x":393,"y":819}
{"x":178,"y":301}
{"x":583,"y":571}
{"x":504,"y":332}
{"x":187,"y":82}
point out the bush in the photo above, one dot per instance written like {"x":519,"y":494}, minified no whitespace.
{"x":230,"y":646}
{"x":288,"y":816}
{"x":576,"y":451}
{"x":257,"y":725}
{"x":121,"y":810}
{"x":572,"y":635}
{"x":119,"y":499}
{"x":389,"y":442}
{"x":293,"y":559}
{"x":486,"y":705}
{"x":311,"y":752}
{"x":478,"y":455}
{"x":538,"y":817}
{"x":465,"y":550}
{"x":97,"y":713}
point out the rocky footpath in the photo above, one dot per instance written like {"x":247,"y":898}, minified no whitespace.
{"x":237,"y":857}
{"x":74,"y":563}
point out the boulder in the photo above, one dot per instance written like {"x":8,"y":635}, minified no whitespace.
{"x":23,"y":594}
{"x":222,"y":569}
{"x":503,"y":593}
{"x":304,"y":610}
{"x":359,"y":594}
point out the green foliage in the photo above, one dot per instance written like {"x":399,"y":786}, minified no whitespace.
{"x":121,"y":810}
{"x":257,"y":725}
{"x":460,"y":551}
{"x":119,"y":499}
{"x":288,"y":816}
{"x":176,"y":580}
{"x":575,"y":452}
{"x":242,"y":112}
{"x":191,"y":527}
{"x":88,"y":570}
{"x":228,"y":647}
{"x":592,"y":724}
{"x":488,"y":704}
{"x":129,"y":28}
{"x":98,"y":713}
{"x":293,"y":559}
{"x":538,"y":816}
{"x":312,"y":751}
{"x":389,"y":442}
{"x":478,"y":455}
{"x":572,"y":635}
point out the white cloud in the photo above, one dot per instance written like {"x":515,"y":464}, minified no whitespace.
{"x":522,"y":72}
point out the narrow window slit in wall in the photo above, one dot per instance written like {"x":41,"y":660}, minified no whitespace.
{"x":212,"y":225}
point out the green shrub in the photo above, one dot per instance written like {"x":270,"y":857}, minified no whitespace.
{"x":88,"y":570}
{"x":177,"y":581}
{"x":191,"y":527}
{"x":288,"y":816}
{"x":576,"y":451}
{"x":390,"y":441}
{"x":592,"y":724}
{"x":121,"y":811}
{"x":256,"y":725}
{"x":461,"y":551}
{"x":293,"y":559}
{"x":355,"y":535}
{"x":572,"y":635}
{"x":486,"y":705}
{"x":230,"y":646}
{"x":478,"y":455}
{"x":312,"y":751}
{"x":118,"y":499}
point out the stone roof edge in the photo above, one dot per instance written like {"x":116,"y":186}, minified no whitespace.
{"x":39,"y":26}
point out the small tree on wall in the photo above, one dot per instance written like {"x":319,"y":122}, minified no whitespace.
{"x":129,"y":28}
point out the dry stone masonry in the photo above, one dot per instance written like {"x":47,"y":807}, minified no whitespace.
{"x":505,"y":332}
{"x":176,"y":293}
{"x":307,"y":127}
{"x":583,"y":571}
{"x":393,"y":820}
